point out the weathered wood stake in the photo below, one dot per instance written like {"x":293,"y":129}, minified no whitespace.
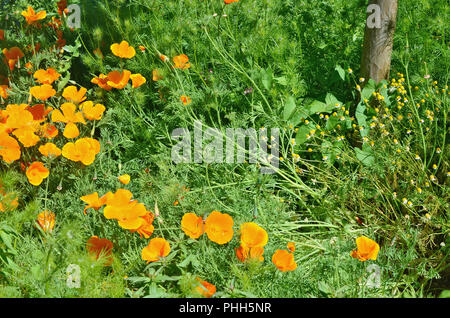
{"x":378,"y":39}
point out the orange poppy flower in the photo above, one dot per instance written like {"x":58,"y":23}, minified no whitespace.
{"x":192,"y":225}
{"x":42,"y":92}
{"x":156,"y":75}
{"x":12,"y":56}
{"x":50,"y":149}
{"x":100,"y":248}
{"x":31,"y":16}
{"x":46,"y":76}
{"x":123,"y":50}
{"x":36,"y":173}
{"x":128,"y":212}
{"x":84,"y":150}
{"x":125,"y":179}
{"x":92,"y":112}
{"x":137,"y":80}
{"x":254,"y":253}
{"x":142,"y":48}
{"x":20,"y":122}
{"x":102,"y":81}
{"x":39,"y":111}
{"x":230,"y":1}
{"x":291,"y":246}
{"x":46,"y":220}
{"x":366,"y":249}
{"x":49,"y":131}
{"x":71,"y":93}
{"x":185,"y":99}
{"x":118,"y":79}
{"x":9,"y":148}
{"x":27,"y":137}
{"x":181,"y":62}
{"x":284,"y":260}
{"x":252,"y":235}
{"x":2,"y":34}
{"x":146,"y":229}
{"x":219,"y":227}
{"x":94,"y":201}
{"x":205,"y":289}
{"x":3,"y":91}
{"x":70,"y":117}
{"x":156,"y":248}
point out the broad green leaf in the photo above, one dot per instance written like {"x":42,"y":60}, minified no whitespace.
{"x":341,"y":72}
{"x":267,"y":78}
{"x":365,"y":157}
{"x":300,"y":138}
{"x":289,"y":108}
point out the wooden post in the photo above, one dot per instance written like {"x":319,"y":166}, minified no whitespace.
{"x":378,"y":39}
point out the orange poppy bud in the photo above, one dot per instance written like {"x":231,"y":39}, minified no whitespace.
{"x":284,"y":260}
{"x":125,"y":179}
{"x":291,"y":246}
{"x":164,"y":58}
{"x":46,"y":220}
{"x":36,"y":173}
{"x":366,"y":249}
{"x":123,"y":50}
{"x":185,"y":99}
{"x":142,"y":48}
{"x":156,"y":248}
{"x":219,"y":227}
{"x":192,"y":225}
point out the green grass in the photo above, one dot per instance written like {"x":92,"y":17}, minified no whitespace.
{"x":285,"y":51}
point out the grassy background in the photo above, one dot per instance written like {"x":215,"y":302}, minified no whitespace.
{"x":280,"y":49}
